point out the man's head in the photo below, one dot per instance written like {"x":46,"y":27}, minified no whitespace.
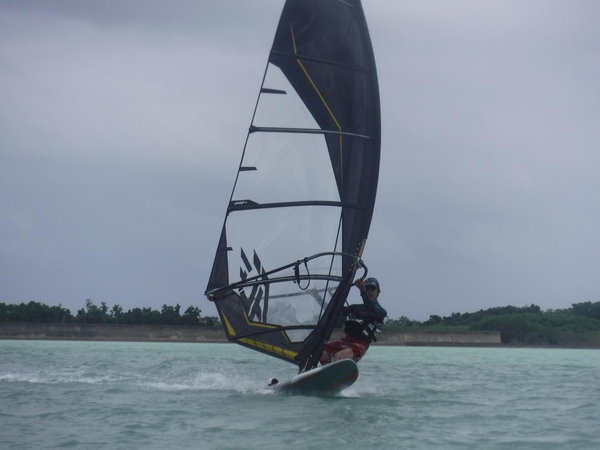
{"x":371,"y":284}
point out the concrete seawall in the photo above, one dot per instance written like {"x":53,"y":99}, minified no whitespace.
{"x":166,"y":333}
{"x":103,"y":332}
{"x":439,"y":338}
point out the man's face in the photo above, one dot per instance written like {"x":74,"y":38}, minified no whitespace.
{"x":372,"y":292}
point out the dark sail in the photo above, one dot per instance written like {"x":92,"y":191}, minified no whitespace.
{"x":302,"y":202}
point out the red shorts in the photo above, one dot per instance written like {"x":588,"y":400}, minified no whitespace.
{"x":358,"y":346}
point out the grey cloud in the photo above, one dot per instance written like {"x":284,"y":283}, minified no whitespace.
{"x":121,"y":125}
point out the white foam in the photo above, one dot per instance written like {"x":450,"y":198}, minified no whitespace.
{"x":60,"y":377}
{"x":359,"y":389}
{"x":19,"y":377}
{"x":208,"y":381}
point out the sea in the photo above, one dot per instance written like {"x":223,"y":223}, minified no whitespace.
{"x":124,"y":395}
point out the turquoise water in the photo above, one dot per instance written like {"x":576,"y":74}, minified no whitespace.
{"x":159,"y":395}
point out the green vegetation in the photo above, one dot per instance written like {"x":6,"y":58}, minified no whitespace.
{"x":528,"y":325}
{"x":578,"y":325}
{"x":92,"y":313}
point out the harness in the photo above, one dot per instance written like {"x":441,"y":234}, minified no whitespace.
{"x":364,"y":322}
{"x":370,"y":328}
{"x":364,"y":328}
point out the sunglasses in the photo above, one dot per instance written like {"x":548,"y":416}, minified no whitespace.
{"x":371,"y":288}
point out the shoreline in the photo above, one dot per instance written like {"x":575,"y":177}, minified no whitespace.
{"x":170,"y":333}
{"x":196,"y":334}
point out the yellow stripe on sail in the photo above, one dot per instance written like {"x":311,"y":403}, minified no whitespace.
{"x":269,"y":348}
{"x":230,"y":329}
{"x":256,"y":324}
{"x":327,"y":107}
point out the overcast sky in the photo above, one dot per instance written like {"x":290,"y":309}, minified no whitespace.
{"x":122,"y":124}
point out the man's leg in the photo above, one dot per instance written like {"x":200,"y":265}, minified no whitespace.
{"x":345,"y":353}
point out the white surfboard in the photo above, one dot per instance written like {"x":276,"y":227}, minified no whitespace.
{"x":328,"y":379}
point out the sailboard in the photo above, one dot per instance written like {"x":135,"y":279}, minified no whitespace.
{"x":299,"y":213}
{"x":329,"y":379}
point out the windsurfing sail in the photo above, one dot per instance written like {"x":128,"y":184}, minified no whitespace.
{"x":303,"y":197}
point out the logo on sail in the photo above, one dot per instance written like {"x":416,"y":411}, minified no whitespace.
{"x":256,"y":304}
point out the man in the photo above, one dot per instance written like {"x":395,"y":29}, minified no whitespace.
{"x":359,"y":331}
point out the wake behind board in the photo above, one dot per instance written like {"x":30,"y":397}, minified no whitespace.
{"x":328,"y":379}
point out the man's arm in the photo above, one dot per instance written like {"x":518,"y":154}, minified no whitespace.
{"x":370,"y":307}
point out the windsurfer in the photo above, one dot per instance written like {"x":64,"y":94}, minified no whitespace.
{"x":359,"y":331}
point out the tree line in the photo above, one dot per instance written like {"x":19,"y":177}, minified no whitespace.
{"x":40,"y":313}
{"x":528,"y":325}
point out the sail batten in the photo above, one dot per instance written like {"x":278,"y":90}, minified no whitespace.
{"x":330,"y":62}
{"x":240,"y":205}
{"x":276,"y":330}
{"x":254,"y":129}
{"x":303,"y":197}
{"x":272,"y":91}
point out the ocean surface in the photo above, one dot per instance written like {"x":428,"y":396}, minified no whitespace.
{"x":118,"y":395}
